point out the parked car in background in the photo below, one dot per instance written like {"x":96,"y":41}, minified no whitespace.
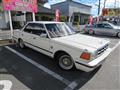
{"x":115,"y":23}
{"x":61,"y":42}
{"x":103,"y":28}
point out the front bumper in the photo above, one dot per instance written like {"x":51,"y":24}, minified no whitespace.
{"x":93,"y":64}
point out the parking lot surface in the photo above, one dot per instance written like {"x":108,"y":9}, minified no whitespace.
{"x":27,"y":69}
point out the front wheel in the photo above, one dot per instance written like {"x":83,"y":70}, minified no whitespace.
{"x":65,"y":62}
{"x":21,"y":44}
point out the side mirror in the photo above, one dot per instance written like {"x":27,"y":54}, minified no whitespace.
{"x":43,"y":35}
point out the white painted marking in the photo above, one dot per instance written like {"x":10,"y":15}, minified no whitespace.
{"x":7,"y":84}
{"x":53,"y":74}
{"x":115,"y":46}
{"x":71,"y":86}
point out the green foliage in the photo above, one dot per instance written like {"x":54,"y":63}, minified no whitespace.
{"x":1,"y":9}
{"x":63,"y":18}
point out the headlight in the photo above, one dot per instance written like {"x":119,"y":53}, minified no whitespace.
{"x":85,"y":56}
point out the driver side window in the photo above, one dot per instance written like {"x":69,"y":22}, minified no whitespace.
{"x":107,"y":26}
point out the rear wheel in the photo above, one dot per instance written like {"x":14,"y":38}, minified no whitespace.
{"x":118,"y":34}
{"x":21,"y":43}
{"x":91,"y":32}
{"x":65,"y":62}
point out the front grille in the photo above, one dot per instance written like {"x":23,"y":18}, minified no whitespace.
{"x":101,"y":50}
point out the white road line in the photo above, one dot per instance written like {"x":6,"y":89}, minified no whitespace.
{"x":7,"y":84}
{"x":71,"y":86}
{"x":53,"y":74}
{"x":115,"y":46}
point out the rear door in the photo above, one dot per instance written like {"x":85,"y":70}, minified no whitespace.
{"x":26,"y":34}
{"x":109,"y":29}
{"x":100,"y":29}
{"x":40,"y":39}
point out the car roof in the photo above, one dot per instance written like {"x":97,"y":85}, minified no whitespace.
{"x":103,"y":22}
{"x":44,"y":22}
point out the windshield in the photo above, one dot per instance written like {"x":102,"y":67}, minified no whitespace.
{"x":59,"y":30}
{"x":115,"y":23}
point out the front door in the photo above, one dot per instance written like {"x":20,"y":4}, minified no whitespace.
{"x":109,"y":30}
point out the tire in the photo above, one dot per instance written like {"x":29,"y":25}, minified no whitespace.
{"x":65,"y":62}
{"x":21,"y":43}
{"x":91,"y":32}
{"x":118,"y":35}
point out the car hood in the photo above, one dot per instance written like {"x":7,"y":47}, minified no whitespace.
{"x":83,"y":41}
{"x":117,"y":27}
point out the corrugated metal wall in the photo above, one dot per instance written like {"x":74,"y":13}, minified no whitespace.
{"x":2,"y":21}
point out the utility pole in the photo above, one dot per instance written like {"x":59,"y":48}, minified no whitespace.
{"x":99,"y":7}
{"x":104,"y":3}
{"x":115,"y":4}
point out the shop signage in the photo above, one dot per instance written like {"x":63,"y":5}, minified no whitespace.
{"x":90,"y":20}
{"x":20,"y":5}
{"x":57,"y":15}
{"x":111,"y":12}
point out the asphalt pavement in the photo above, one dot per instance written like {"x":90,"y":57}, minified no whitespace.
{"x":26,"y":69}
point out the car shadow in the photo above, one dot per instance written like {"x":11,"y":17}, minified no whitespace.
{"x":85,"y":77}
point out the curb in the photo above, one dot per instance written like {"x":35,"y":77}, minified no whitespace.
{"x":6,"y":42}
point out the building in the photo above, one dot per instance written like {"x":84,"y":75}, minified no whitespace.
{"x":3,"y":18}
{"x":22,"y":17}
{"x":74,"y":11}
{"x":111,"y":14}
{"x":43,"y":14}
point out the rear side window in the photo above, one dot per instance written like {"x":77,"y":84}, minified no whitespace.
{"x":90,"y":26}
{"x":35,"y":28}
{"x":29,"y":28}
{"x":100,"y":26}
{"x":108,"y":26}
{"x":38,"y":29}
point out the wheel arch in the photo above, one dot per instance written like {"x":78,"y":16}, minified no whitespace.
{"x":118,"y":34}
{"x":57,"y":53}
{"x":19,"y":39}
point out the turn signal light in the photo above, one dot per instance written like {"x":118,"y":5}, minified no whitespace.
{"x":85,"y":56}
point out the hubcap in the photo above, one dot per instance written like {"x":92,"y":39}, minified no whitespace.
{"x":119,"y":35}
{"x":21,"y":44}
{"x":65,"y":62}
{"x":91,"y":32}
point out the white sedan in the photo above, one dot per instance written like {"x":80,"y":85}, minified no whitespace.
{"x":61,"y":42}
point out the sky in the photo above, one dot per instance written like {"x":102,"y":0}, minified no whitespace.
{"x":93,"y":3}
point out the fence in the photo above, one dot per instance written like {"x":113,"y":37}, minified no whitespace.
{"x":5,"y":34}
